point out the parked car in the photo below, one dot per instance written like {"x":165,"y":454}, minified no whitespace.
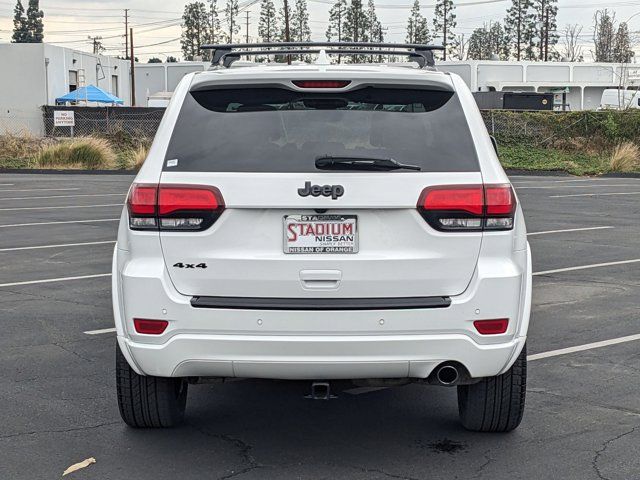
{"x":618,"y":99}
{"x":322,"y":222}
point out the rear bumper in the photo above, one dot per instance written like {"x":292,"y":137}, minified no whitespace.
{"x":337,"y":344}
{"x":313,"y":358}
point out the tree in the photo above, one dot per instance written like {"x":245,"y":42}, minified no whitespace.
{"x":337,"y":18}
{"x":172,"y":59}
{"x":417,"y":26}
{"x":267,"y":26}
{"x":355,"y":25}
{"x":603,"y":36}
{"x":572,"y":50}
{"x":487,"y":42}
{"x":545,"y":24}
{"x":214,"y":28}
{"x":622,"y":50}
{"x":300,"y":31}
{"x":20,"y":30}
{"x":284,"y":20}
{"x":231,"y":11}
{"x":155,"y":60}
{"x":520,"y":28}
{"x":196,"y":30}
{"x":35,"y":25}
{"x":444,"y":22}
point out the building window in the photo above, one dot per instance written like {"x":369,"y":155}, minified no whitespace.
{"x":114,"y":85}
{"x":73,"y":80}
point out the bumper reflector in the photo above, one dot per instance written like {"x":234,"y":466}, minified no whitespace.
{"x":150,"y":327}
{"x":491,"y":327}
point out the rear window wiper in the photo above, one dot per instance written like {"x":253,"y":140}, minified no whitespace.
{"x":361,"y":163}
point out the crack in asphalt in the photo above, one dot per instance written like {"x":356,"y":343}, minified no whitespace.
{"x":615,"y":408}
{"x":244,"y":450}
{"x":72,"y":352}
{"x":488,"y":460}
{"x":603,"y":449}
{"x":41,"y":432}
{"x":382,"y":472}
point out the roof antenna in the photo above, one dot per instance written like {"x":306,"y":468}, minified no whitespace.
{"x":323,"y":58}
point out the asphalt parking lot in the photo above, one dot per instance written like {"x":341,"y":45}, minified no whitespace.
{"x":58,"y":405}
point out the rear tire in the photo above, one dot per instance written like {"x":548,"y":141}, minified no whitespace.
{"x":495,"y":404}
{"x":146,"y":401}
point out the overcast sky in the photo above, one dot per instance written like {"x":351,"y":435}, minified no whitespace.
{"x":157,"y":30}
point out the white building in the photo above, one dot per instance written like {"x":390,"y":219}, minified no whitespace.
{"x":35,"y":74}
{"x":583,"y":83}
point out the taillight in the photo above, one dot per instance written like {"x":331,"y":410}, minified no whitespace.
{"x":491,"y":327}
{"x":173,"y":207}
{"x":150,"y":327}
{"x":468,"y":207}
{"x":321,"y":83}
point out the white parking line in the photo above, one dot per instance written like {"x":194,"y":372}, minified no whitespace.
{"x":7,"y":184}
{"x":594,"y":194}
{"x":56,"y":208}
{"x":52,"y":280}
{"x":60,"y":223}
{"x":568,"y":230}
{"x":582,"y":348}
{"x":585,"y":267}
{"x":579,"y":186}
{"x":62,"y":245}
{"x":39,"y":189}
{"x":67,"y":196}
{"x":558,"y":181}
{"x":101,"y":331}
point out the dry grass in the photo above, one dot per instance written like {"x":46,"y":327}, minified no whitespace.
{"x":85,"y":153}
{"x":135,"y":157}
{"x":21,"y":145}
{"x":625,"y":157}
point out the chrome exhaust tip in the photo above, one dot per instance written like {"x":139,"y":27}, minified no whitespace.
{"x":447,"y":375}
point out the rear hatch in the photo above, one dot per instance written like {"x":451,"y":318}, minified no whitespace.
{"x":309,"y":210}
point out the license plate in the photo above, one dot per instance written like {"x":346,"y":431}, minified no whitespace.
{"x":320,"y":234}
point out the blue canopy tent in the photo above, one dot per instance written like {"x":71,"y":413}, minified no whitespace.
{"x":90,"y":93}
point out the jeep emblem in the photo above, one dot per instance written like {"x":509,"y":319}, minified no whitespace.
{"x":333,"y":191}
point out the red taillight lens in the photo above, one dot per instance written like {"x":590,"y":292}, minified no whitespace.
{"x":468,"y":207}
{"x":174,"y":207}
{"x":321,"y":83}
{"x":499,"y":200}
{"x":183,"y":198}
{"x":491,"y":327}
{"x":466,"y":199}
{"x":150,"y":327}
{"x":142,"y":199}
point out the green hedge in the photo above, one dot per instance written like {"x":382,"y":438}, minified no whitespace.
{"x":567,"y":129}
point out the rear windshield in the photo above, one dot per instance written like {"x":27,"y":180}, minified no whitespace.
{"x":280,"y":130}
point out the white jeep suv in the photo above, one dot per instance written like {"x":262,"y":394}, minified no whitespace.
{"x":322,"y":222}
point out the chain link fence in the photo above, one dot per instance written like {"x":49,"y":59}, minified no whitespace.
{"x":138,"y":122}
{"x":541,"y":129}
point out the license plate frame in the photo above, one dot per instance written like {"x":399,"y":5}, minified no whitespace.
{"x":349,"y":246}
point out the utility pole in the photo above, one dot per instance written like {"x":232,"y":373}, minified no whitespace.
{"x":126,"y":34}
{"x":247,"y":33}
{"x":546,"y":35}
{"x":213,"y":22}
{"x":444,"y":33}
{"x":287,"y":30}
{"x":133,"y":71}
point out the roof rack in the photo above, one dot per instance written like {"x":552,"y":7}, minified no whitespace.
{"x":229,"y":53}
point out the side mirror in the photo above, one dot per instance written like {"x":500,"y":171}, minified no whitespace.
{"x":494,"y":142}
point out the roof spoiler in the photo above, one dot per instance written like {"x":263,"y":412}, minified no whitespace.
{"x":229,"y":53}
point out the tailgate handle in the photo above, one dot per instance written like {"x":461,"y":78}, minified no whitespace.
{"x":320,"y":279}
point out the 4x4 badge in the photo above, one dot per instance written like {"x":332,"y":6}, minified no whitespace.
{"x":333,"y":191}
